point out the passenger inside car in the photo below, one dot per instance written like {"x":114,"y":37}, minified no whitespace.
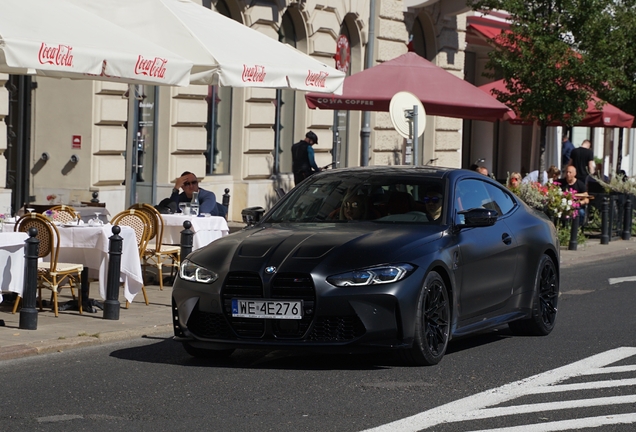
{"x":433,"y":199}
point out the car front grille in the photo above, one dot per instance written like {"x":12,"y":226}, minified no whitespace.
{"x":284,"y":286}
{"x":336,"y":329}
{"x":207,"y":325}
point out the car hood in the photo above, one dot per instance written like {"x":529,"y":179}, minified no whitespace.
{"x":309,"y":247}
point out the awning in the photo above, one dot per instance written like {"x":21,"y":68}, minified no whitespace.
{"x":57,"y":39}
{"x":441,"y":92}
{"x":224,"y":51}
{"x":607,"y":116}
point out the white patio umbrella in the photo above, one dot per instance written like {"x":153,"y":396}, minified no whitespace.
{"x":56,"y":38}
{"x":223,"y":51}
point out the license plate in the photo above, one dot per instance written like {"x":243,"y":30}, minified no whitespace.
{"x":287,"y":309}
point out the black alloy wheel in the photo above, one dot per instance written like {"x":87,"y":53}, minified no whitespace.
{"x":432,"y":324}
{"x":544,"y":310}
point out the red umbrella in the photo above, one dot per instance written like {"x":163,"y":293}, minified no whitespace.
{"x":607,"y":116}
{"x":441,"y":92}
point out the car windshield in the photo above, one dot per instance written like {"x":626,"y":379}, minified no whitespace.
{"x":340,"y":198}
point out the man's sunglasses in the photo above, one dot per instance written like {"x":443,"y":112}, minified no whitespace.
{"x":433,"y":200}
{"x":193,"y":182}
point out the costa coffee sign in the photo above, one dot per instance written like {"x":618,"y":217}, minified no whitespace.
{"x":254,"y":73}
{"x":155,"y":67}
{"x":58,"y":55}
{"x":316,"y":79}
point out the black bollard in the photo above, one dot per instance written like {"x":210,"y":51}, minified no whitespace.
{"x":605,"y":221}
{"x":111,"y":305}
{"x":28,"y":313}
{"x":627,"y":219}
{"x":574,"y":233}
{"x":187,"y":237}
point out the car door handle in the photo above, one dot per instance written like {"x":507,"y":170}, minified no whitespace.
{"x":505,"y":237}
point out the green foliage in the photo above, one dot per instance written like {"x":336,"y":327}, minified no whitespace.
{"x":564,"y":233}
{"x":558,"y":53}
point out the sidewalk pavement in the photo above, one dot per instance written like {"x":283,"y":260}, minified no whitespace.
{"x":72,"y":330}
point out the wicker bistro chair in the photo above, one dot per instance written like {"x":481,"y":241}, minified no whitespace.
{"x":52,"y":274}
{"x":158,"y":254}
{"x":65,"y":214}
{"x":142,"y":225}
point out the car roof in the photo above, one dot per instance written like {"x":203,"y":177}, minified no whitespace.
{"x":433,"y":172}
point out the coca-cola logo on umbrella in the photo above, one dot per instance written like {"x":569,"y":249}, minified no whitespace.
{"x":254,"y":73}
{"x":155,"y":67}
{"x":316,"y":79}
{"x":58,"y":55}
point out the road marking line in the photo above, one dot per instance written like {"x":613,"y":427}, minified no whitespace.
{"x":611,"y":370}
{"x":576,"y":424}
{"x":542,"y":407}
{"x":613,"y":281}
{"x":449,"y":412}
{"x":583,"y":386}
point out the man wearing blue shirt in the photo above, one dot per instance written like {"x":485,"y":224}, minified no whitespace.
{"x":566,"y":151}
{"x":190,"y":183}
{"x":303,"y":162}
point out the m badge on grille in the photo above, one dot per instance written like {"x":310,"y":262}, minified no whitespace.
{"x":270,"y":270}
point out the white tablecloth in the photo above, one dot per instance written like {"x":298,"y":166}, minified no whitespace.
{"x":88,"y":245}
{"x":12,"y":261}
{"x":206,"y":229}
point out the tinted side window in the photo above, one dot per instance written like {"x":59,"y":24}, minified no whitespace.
{"x":501,"y":198}
{"x":471,"y":194}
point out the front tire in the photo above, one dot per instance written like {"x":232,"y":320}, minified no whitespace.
{"x":432,"y":323}
{"x":546,"y":298}
{"x":206,"y":353}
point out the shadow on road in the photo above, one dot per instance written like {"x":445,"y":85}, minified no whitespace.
{"x":167,"y":351}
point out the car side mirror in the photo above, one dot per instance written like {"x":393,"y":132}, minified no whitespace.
{"x":252,"y":215}
{"x":478,"y":217}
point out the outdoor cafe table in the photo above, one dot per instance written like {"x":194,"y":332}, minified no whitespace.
{"x":88,"y":245}
{"x":206,"y":229}
{"x":12,"y":261}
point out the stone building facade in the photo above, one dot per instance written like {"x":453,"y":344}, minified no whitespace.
{"x":238,"y":139}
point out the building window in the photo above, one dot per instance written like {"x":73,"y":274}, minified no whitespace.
{"x":285,"y":117}
{"x":219,"y":124}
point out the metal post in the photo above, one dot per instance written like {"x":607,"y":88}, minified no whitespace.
{"x":28,"y":313}
{"x":574,"y":233}
{"x":111,"y":305}
{"x":226,"y":197}
{"x":627,"y":219}
{"x":187,"y":236}
{"x":416,"y":151}
{"x":605,"y":220}
{"x":365,"y":131}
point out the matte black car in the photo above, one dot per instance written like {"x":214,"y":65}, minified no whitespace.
{"x":353,"y":259}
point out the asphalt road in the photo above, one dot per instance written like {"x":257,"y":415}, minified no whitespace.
{"x":153,"y":385}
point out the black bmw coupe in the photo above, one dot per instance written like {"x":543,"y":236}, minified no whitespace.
{"x":353,"y":259}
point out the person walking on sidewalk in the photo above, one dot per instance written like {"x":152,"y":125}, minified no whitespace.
{"x":303,"y":162}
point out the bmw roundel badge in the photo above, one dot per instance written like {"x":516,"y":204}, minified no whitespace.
{"x":270,"y":270}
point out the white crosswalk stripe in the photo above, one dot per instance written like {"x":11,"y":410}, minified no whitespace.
{"x":484,"y":405}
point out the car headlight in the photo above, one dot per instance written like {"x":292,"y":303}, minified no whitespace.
{"x":195,"y":273}
{"x":372,"y":276}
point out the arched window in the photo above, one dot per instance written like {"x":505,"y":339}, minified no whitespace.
{"x":417,"y":44}
{"x":219,"y":124}
{"x":285,"y":117}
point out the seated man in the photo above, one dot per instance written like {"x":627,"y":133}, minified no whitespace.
{"x":190,"y":183}
{"x":433,"y":199}
{"x":571,"y":182}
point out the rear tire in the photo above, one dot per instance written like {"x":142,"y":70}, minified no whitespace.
{"x":432,"y":323}
{"x":207,"y":353}
{"x":544,"y":305}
